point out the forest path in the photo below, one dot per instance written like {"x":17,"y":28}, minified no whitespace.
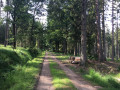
{"x":77,"y":80}
{"x":45,"y":81}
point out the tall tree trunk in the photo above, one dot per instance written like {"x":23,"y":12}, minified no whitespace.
{"x":112,"y":31}
{"x":0,"y":7}
{"x":79,"y":49}
{"x":83,"y":33}
{"x":103,"y":35}
{"x":118,"y":51}
{"x":6,"y":34}
{"x":117,"y":39}
{"x":6,"y":31}
{"x":75,"y":49}
{"x":66,"y":47}
{"x":57,"y":46}
{"x":14,"y":30}
{"x":31,"y":40}
{"x":37,"y":43}
{"x":108,"y":51}
{"x":99,"y":44}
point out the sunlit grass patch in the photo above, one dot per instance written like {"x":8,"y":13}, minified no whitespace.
{"x":61,"y":56}
{"x":60,"y":80}
{"x":18,"y":69}
{"x":107,"y":81}
{"x":118,"y":75}
{"x":24,"y":77}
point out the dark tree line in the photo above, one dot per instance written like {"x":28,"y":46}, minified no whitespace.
{"x":73,"y":26}
{"x":78,"y":27}
{"x":20,"y":27}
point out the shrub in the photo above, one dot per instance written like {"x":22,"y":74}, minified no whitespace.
{"x":119,"y":68}
{"x":33,"y":51}
{"x":104,"y":81}
{"x":114,"y":83}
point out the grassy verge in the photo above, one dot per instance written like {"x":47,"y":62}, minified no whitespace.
{"x":108,"y":82}
{"x":18,"y":69}
{"x":60,"y":80}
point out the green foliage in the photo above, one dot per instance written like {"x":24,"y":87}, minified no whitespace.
{"x":106,"y":81}
{"x":33,"y":51}
{"x":7,"y":8}
{"x":119,"y":68}
{"x":2,"y":33}
{"x":114,"y":83}
{"x":21,"y":68}
{"x":10,"y":57}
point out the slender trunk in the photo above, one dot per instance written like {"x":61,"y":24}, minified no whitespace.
{"x":76,"y":49}
{"x":117,"y":39}
{"x":108,"y":52}
{"x":57,"y":46}
{"x":0,"y":7}
{"x":79,"y":49}
{"x":65,"y":46}
{"x":6,"y":32}
{"x":99,"y":44}
{"x":14,"y":30}
{"x":83,"y":33}
{"x":14,"y":35}
{"x":31,"y":34}
{"x":37,"y":43}
{"x":118,"y":52}
{"x":112,"y":32}
{"x":103,"y":34}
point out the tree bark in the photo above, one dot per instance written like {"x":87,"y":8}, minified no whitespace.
{"x":117,"y":39}
{"x":103,"y":35}
{"x":112,"y":32}
{"x":14,"y":30}
{"x":99,"y":44}
{"x":31,"y":34}
{"x":83,"y":33}
{"x":65,"y":46}
{"x":6,"y":32}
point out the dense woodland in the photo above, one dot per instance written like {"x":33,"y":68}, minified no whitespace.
{"x":79,"y":27}
{"x":75,"y":27}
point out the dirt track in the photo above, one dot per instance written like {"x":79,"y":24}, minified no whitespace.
{"x":45,"y":82}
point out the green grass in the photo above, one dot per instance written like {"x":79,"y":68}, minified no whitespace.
{"x":61,"y":56}
{"x":108,"y":82}
{"x":60,"y":80}
{"x":18,"y":69}
{"x":10,"y":57}
{"x":110,"y":59}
